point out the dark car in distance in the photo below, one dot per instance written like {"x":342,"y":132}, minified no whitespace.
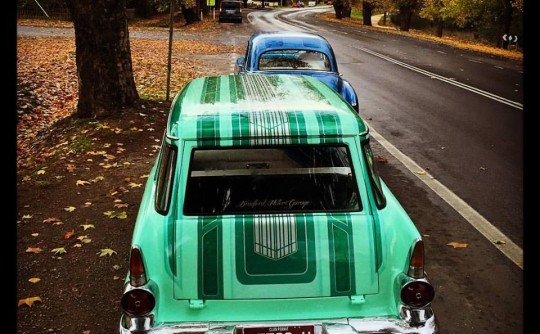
{"x":230,"y":11}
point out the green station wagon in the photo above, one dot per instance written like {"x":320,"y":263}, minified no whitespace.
{"x":264,"y":214}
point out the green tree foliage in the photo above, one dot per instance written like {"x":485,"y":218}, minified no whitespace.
{"x":484,"y":15}
{"x":189,"y":8}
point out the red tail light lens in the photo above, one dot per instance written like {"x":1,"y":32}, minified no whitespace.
{"x":138,"y":302}
{"x":417,"y":293}
{"x":137,"y":274}
{"x":136,"y":266}
{"x":416,"y":263}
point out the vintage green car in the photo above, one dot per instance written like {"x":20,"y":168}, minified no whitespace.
{"x":264,"y":214}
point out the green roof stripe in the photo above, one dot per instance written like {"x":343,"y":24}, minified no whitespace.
{"x":240,"y":94}
{"x":211,"y":90}
{"x":233,"y":94}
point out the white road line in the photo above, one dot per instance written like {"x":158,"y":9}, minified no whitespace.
{"x":475,"y":61}
{"x":499,"y":67}
{"x":444,"y":53}
{"x":478,"y":91}
{"x":493,"y":234}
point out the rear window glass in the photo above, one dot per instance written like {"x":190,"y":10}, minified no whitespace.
{"x":231,"y":5}
{"x":271,"y":180}
{"x":294,"y":60}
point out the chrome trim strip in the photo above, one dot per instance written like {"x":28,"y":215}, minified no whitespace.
{"x":278,"y":171}
{"x":366,"y":132}
{"x":139,"y":280}
{"x":171,"y":137}
{"x":416,"y":272}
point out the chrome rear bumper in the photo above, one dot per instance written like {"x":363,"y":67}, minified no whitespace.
{"x":331,"y":326}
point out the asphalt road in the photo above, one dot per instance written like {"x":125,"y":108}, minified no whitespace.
{"x":457,"y":114}
{"x":470,"y":138}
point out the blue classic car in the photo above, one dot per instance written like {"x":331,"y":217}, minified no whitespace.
{"x":264,"y":214}
{"x":291,"y":52}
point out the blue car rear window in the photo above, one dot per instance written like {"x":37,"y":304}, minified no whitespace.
{"x":294,"y":60}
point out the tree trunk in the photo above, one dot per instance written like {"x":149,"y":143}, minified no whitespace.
{"x":347,"y":9}
{"x":504,"y":24}
{"x":338,"y":9}
{"x":190,"y":14}
{"x":439,"y":24}
{"x":144,"y":8}
{"x":367,"y":10}
{"x":405,"y":15}
{"x":103,"y":57}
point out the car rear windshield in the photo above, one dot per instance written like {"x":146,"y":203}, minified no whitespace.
{"x":231,"y":5}
{"x":294,"y":60}
{"x":271,"y":180}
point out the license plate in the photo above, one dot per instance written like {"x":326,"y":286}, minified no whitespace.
{"x":306,"y":329}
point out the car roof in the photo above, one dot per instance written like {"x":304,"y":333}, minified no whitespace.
{"x":237,"y":107}
{"x":278,"y":40}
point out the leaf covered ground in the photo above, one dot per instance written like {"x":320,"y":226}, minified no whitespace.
{"x":79,"y":182}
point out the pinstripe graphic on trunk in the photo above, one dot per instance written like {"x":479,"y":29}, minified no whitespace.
{"x":275,"y":249}
{"x":342,"y":276}
{"x":210,"y":258}
{"x":275,"y":238}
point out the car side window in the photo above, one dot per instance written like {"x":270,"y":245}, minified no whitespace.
{"x":374,"y":177}
{"x":165,"y":176}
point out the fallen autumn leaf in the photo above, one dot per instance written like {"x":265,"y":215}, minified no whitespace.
{"x":381,"y":159}
{"x":35,"y":250}
{"x":106,"y":251}
{"x":51,"y":220}
{"x":60,"y":250}
{"x":82,"y":183}
{"x":29,"y":301}
{"x":457,"y":244}
{"x":69,"y":234}
{"x":87,"y":226}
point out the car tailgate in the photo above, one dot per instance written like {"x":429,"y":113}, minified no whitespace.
{"x":275,"y":256}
